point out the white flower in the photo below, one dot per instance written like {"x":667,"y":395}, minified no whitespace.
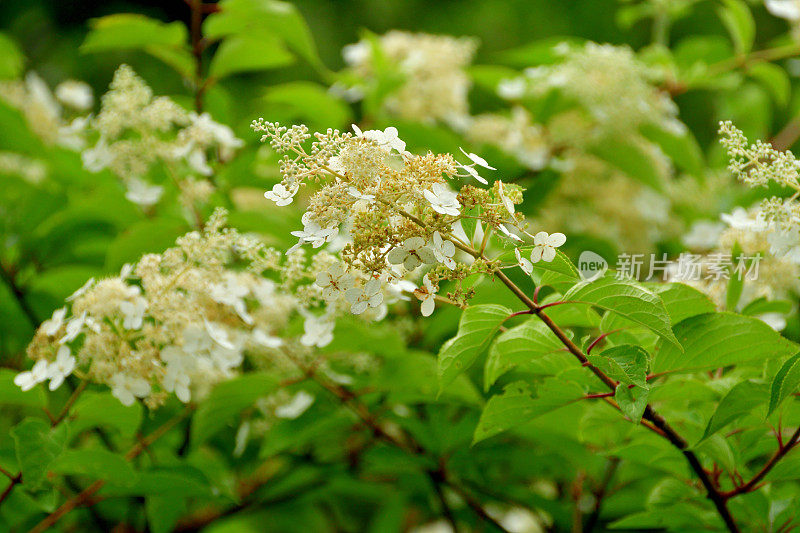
{"x":126,"y":271}
{"x":411,"y":254}
{"x":476,"y":160}
{"x":97,"y":158}
{"x":386,"y":139}
{"x":363,"y":298}
{"x":29,"y":379}
{"x":74,"y":328}
{"x":242,"y":436}
{"x":474,"y":173}
{"x":443,"y":250}
{"x":298,"y":405}
{"x":265,"y":340}
{"x":703,"y":234}
{"x":80,"y":292}
{"x":316,"y":235}
{"x":774,"y":320}
{"x":62,"y":367}
{"x":221,"y":134}
{"x":143,"y":194}
{"x":75,"y":94}
{"x":196,"y":158}
{"x":427,"y":294}
{"x":334,"y":282}
{"x":318,"y":331}
{"x":176,"y":380}
{"x":545,"y":246}
{"x":740,"y":219}
{"x":51,"y":326}
{"x":218,"y":334}
{"x":232,"y":292}
{"x":280,"y":194}
{"x":504,"y":230}
{"x":358,"y":195}
{"x":523,"y":263}
{"x":356,"y":53}
{"x":133,"y":312}
{"x":126,"y":388}
{"x":507,"y":203}
{"x":786,"y":9}
{"x":443,"y":200}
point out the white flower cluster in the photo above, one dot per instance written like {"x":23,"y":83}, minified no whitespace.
{"x":434,"y":83}
{"x":134,"y":130}
{"x":181,"y":321}
{"x":397,"y":208}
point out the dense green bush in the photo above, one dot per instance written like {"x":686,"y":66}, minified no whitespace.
{"x":545,"y":286}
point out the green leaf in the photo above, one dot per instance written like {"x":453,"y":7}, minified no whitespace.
{"x":740,"y":400}
{"x":632,"y":401}
{"x":715,"y":340}
{"x":626,"y":363}
{"x":761,"y":306}
{"x":37,"y":446}
{"x":268,"y":19}
{"x":129,"y":30}
{"x":682,"y":301}
{"x":735,"y":283}
{"x":516,"y":405}
{"x":147,"y":236}
{"x":11,"y":58}
{"x":226,"y":401}
{"x":738,"y":20}
{"x":102,"y":410}
{"x":774,"y":79}
{"x":785,"y":383}
{"x":627,"y":299}
{"x":163,"y":511}
{"x":476,"y":329}
{"x":531,"y":342}
{"x":681,"y":147}
{"x":559,"y":273}
{"x":632,"y":160}
{"x":243,"y":53}
{"x":306,"y":102}
{"x":10,"y":394}
{"x":96,"y":464}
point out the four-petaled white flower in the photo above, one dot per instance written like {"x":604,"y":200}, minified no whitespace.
{"x":334,"y":282}
{"x":444,"y":250}
{"x":74,"y":328}
{"x":411,"y":254}
{"x":62,"y":367}
{"x":443,"y":200}
{"x":133,"y":312}
{"x":178,"y":381}
{"x":280,"y":194}
{"x":427,"y":294}
{"x":126,"y":388}
{"x":523,"y":263}
{"x":476,"y":161}
{"x":362,"y":298}
{"x":51,"y":326}
{"x":30,"y":378}
{"x":142,"y":193}
{"x":387,"y":139}
{"x":545,"y":246}
{"x":314,"y":234}
{"x":358,"y":195}
{"x":318,"y":331}
{"x":507,"y":203}
{"x":232,"y":292}
{"x":268,"y":341}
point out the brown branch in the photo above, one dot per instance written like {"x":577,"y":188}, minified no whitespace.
{"x":600,"y":493}
{"x":753,"y":484}
{"x":85,"y":497}
{"x":15,"y":480}
{"x":196,"y":32}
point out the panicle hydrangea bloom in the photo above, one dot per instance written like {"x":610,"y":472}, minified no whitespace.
{"x":404,"y":216}
{"x":135,"y":129}
{"x":434,"y":82}
{"x":180,"y":321}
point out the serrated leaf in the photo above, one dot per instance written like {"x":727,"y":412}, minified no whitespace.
{"x":785,"y":383}
{"x":625,"y":363}
{"x":96,"y":464}
{"x":476,"y":329}
{"x":715,"y":340}
{"x":37,"y":446}
{"x":740,"y":400}
{"x":559,"y":273}
{"x":628,"y":299}
{"x":682,"y":301}
{"x":521,"y":344}
{"x":226,"y":401}
{"x":516,"y":405}
{"x":632,"y":401}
